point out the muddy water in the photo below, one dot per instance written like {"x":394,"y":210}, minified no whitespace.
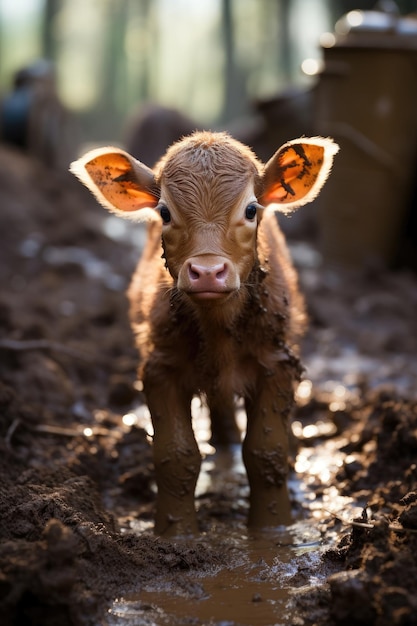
{"x":252,"y":590}
{"x":266,"y":570}
{"x":257,"y":587}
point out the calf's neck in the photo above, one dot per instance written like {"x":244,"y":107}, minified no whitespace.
{"x":214,"y":304}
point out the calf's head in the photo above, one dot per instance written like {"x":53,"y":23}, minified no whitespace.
{"x":209,"y":193}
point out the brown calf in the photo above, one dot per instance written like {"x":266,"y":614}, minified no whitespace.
{"x":214,"y":303}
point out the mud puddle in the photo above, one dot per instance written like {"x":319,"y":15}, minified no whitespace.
{"x":250,"y":593}
{"x":267,"y":570}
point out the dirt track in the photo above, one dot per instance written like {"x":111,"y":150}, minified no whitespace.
{"x":76,"y":505}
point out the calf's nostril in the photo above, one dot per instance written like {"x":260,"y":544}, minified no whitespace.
{"x":194,"y":272}
{"x":221,"y":272}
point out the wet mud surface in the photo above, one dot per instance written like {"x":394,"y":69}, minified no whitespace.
{"x":77,"y":491}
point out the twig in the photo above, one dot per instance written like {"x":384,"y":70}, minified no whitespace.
{"x":69,"y":432}
{"x":10,"y":432}
{"x":369,"y":526}
{"x":53,"y":430}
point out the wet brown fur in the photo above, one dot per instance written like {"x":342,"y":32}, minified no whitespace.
{"x":222,"y":350}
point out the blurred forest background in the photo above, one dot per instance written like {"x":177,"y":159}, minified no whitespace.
{"x":210,"y":59}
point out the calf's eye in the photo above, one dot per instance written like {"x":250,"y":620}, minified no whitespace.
{"x":250,"y":212}
{"x":165,"y":214}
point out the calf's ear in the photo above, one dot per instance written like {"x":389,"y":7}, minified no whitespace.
{"x":119,"y":182}
{"x":297,"y":172}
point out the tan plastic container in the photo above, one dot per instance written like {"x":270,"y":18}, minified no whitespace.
{"x":366,"y":99}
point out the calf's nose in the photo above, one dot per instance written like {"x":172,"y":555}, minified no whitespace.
{"x":208,"y":277}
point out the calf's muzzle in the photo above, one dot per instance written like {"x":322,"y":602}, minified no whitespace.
{"x":208,"y":278}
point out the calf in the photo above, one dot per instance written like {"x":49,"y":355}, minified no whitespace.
{"x":214,"y":303}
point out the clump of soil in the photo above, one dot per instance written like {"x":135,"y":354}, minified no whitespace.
{"x":75,"y":475}
{"x":375,"y":562}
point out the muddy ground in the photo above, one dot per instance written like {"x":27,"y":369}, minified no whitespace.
{"x":77,"y":491}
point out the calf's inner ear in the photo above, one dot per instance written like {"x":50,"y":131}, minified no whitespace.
{"x":119,"y":182}
{"x":296,"y":173}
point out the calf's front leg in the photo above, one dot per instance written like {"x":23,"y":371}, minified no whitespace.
{"x":265,"y":449}
{"x":176,"y":457}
